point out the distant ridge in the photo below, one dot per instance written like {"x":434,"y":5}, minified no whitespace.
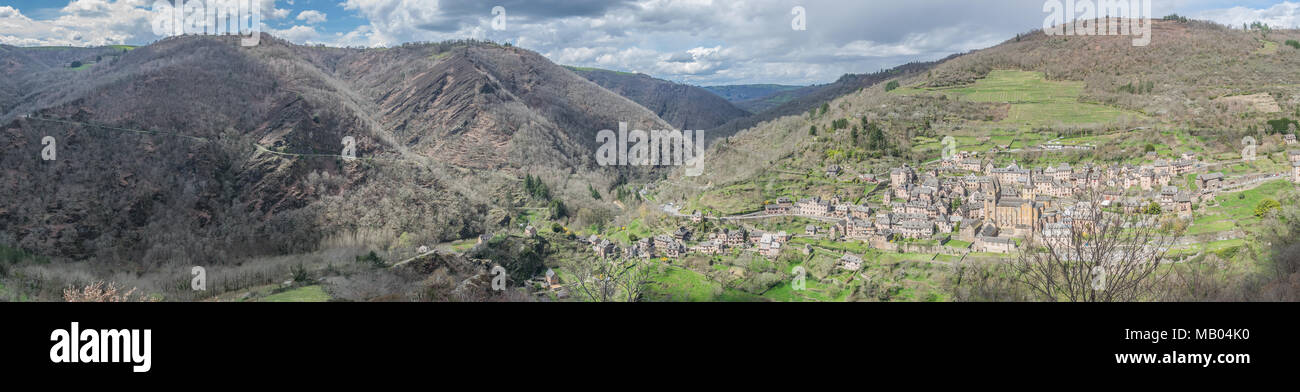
{"x":813,"y":96}
{"x":756,"y":98}
{"x":684,"y":106}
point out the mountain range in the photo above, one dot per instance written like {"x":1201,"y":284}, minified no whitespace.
{"x":194,"y":150}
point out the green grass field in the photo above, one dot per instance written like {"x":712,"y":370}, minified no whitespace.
{"x":683,"y":285}
{"x":814,"y":291}
{"x":313,"y":293}
{"x":1240,"y":206}
{"x":1035,"y":101}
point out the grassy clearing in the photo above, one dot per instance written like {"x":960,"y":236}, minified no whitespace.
{"x":636,"y":227}
{"x":314,"y":293}
{"x":1269,"y":48}
{"x":1210,"y":224}
{"x":682,"y":285}
{"x":814,"y":291}
{"x":1240,"y":206}
{"x":1224,"y":248}
{"x":1034,"y":100}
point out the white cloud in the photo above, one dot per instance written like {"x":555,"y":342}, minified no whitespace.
{"x":1282,"y":15}
{"x":7,"y":12}
{"x":713,"y":41}
{"x":80,"y":23}
{"x":312,"y":16}
{"x":299,"y":33}
{"x":695,"y":41}
{"x":269,"y":12}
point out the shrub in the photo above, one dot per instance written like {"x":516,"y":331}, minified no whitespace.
{"x":1281,"y":125}
{"x":558,"y":210}
{"x":1293,"y":43}
{"x":371,"y":259}
{"x":300,"y":275}
{"x":891,"y":86}
{"x":1265,"y":206}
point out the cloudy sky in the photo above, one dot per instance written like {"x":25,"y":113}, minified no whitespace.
{"x":704,"y":42}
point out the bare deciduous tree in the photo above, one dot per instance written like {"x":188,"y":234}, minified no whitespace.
{"x":616,"y":280}
{"x":97,"y":292}
{"x":1096,"y":254}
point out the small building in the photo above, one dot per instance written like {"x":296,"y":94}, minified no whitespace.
{"x":851,"y":262}
{"x":709,"y":248}
{"x":604,"y":249}
{"x":530,"y":231}
{"x":682,"y":234}
{"x":917,"y":229}
{"x":1058,"y":236}
{"x":810,"y":230}
{"x":1210,"y":182}
{"x":969,"y":227}
{"x":773,"y":250}
{"x":697,"y":217}
{"x":1183,"y":204}
{"x":552,"y":279}
{"x":994,"y":245}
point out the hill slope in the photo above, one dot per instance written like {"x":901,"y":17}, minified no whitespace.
{"x":1021,"y":93}
{"x":809,"y":98}
{"x":756,"y":98}
{"x":239,"y":154}
{"x":683,"y":106}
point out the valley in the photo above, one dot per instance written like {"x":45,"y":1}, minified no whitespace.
{"x":474,"y":174}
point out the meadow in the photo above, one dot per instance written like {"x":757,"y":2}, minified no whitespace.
{"x":1034,"y":101}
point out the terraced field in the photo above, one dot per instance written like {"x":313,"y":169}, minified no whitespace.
{"x":1034,"y":100}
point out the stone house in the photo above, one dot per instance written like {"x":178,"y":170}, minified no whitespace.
{"x":994,"y":245}
{"x":851,"y":262}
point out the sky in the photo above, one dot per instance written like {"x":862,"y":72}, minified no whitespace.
{"x":701,"y":42}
